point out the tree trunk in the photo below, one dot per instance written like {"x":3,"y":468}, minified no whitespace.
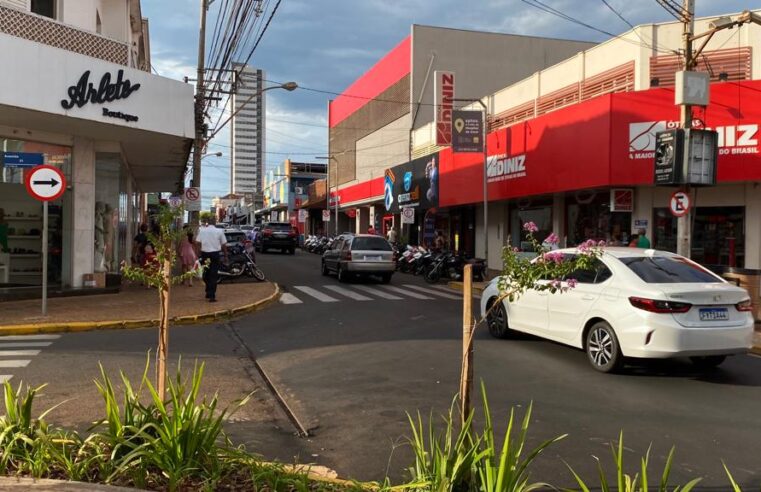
{"x":466,"y":375}
{"x":163,"y":349}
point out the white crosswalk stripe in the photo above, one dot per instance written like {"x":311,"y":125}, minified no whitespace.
{"x":348,"y":293}
{"x":5,"y":377}
{"x":377,"y":292}
{"x":315,"y":293}
{"x":14,"y":363}
{"x":288,"y":298}
{"x":405,"y":292}
{"x":15,"y":348}
{"x":23,"y":344}
{"x":19,"y":353}
{"x":434,"y":292}
{"x":24,"y":338}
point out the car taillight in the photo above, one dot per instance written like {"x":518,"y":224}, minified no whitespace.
{"x":346,"y":256}
{"x":267,"y":232}
{"x":657,"y":306}
{"x":744,"y":306}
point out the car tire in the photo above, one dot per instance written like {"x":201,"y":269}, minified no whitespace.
{"x":602,"y":348}
{"x":324,"y":269}
{"x":496,"y":320}
{"x":385,"y":278}
{"x":708,"y":361}
{"x":341,"y":274}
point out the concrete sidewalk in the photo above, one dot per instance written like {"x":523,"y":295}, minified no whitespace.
{"x":134,"y":307}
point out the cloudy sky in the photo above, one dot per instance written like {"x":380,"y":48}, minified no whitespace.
{"x":327,"y":44}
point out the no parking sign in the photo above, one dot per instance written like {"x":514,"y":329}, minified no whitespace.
{"x":679,"y":204}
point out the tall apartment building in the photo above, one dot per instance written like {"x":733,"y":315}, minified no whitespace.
{"x":247,"y":131}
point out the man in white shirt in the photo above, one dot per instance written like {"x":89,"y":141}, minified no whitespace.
{"x":211,"y":242}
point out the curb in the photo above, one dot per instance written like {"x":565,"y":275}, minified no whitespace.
{"x":79,"y":326}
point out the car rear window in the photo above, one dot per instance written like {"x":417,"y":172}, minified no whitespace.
{"x":667,"y":270}
{"x":370,"y":244}
{"x":235,"y":237}
{"x":284,"y":226}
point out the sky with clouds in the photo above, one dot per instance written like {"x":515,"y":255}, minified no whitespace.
{"x":327,"y":44}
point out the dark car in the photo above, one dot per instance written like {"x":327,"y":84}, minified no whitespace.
{"x":276,"y":235}
{"x":359,"y":254}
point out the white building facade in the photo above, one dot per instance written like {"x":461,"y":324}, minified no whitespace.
{"x":77,"y":94}
{"x":247,"y":130}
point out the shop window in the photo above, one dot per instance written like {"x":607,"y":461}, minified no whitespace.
{"x":589,"y":217}
{"x":44,"y":7}
{"x":107,"y":252}
{"x":541,"y":216}
{"x":718,"y":235}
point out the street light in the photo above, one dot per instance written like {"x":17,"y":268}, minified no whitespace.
{"x":327,"y":185}
{"x":486,"y":196}
{"x":215,"y":154}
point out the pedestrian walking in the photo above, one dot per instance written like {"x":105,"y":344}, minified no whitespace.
{"x":633,"y":241}
{"x":187,"y":254}
{"x":643,"y":242}
{"x":138,"y":245}
{"x":212,"y":243}
{"x":391,"y":235}
{"x":439,"y":243}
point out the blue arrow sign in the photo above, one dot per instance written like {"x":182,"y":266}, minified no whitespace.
{"x":23,"y":159}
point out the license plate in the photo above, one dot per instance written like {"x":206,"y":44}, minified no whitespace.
{"x":372,"y":258}
{"x":714,"y":314}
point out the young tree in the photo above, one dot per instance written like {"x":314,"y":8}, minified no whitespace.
{"x":547,"y":270}
{"x":157,"y":273}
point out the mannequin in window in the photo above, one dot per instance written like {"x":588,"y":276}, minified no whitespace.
{"x":100,"y":238}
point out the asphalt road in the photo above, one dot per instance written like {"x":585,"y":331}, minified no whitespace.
{"x":351,"y":360}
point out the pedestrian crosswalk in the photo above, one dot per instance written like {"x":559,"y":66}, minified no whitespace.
{"x":16,"y":350}
{"x":361,"y":292}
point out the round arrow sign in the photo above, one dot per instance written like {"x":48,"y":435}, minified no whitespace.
{"x":45,"y":183}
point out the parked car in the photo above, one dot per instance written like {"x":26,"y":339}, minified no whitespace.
{"x":279,"y":235}
{"x":359,"y":254}
{"x":635,"y":303}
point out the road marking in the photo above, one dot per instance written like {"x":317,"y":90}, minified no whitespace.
{"x":406,"y":292}
{"x":14,"y":363}
{"x":316,"y":294}
{"x":348,"y":293}
{"x":378,"y":292}
{"x":23,"y":344}
{"x":433,"y":292}
{"x":5,"y":377}
{"x":29,"y":337}
{"x":288,"y":298}
{"x":19,"y":353}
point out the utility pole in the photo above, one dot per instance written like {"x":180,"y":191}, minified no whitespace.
{"x":200,"y":104}
{"x":684,"y":223}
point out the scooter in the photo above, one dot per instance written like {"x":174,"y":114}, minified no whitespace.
{"x":240,"y":261}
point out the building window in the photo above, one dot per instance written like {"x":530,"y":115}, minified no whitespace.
{"x":589,"y":217}
{"x":44,"y":7}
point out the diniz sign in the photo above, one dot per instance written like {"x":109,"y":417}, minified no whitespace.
{"x":85,"y":91}
{"x":503,"y":167}
{"x":443,"y":100}
{"x":733,"y":139}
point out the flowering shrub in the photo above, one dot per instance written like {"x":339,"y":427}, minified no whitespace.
{"x":549,"y":270}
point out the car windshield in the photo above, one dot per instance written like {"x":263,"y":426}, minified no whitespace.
{"x":370,"y":244}
{"x":668,"y":270}
{"x":279,"y":227}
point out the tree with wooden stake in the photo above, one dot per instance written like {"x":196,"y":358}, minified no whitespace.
{"x":157,"y":273}
{"x":548,"y":271}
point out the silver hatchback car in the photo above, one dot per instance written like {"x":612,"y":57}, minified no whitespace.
{"x":359,"y":254}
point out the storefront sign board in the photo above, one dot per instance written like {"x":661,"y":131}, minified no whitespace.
{"x":679,"y":204}
{"x":192,"y":199}
{"x":302,"y":215}
{"x":408,"y":215}
{"x":413,"y":184}
{"x":467,"y":131}
{"x":443,"y":101}
{"x":640,"y":224}
{"x":621,"y":200}
{"x":326,"y":215}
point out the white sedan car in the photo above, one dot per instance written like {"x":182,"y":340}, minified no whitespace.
{"x":635,"y":303}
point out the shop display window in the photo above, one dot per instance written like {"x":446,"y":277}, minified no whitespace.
{"x":589,"y":217}
{"x":108,"y":246}
{"x":541,"y":216}
{"x":718,"y":235}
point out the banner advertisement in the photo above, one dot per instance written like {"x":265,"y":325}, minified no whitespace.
{"x":468,"y":131}
{"x":413,"y":184}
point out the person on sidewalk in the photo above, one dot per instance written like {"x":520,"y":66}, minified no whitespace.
{"x":643,"y":242}
{"x":212,"y":243}
{"x":138,"y":245}
{"x":187,"y":254}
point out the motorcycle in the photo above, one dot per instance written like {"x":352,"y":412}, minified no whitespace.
{"x":240,"y":261}
{"x":450,"y":265}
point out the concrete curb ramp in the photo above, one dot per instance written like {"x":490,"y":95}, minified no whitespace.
{"x":35,"y":328}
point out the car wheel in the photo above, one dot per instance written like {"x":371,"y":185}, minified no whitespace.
{"x":708,"y":361}
{"x":341,"y":274}
{"x":497,"y":321}
{"x":386,"y":278}
{"x":602,"y":348}
{"x":324,"y":269}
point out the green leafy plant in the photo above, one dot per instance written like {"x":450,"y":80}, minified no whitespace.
{"x":639,"y":482}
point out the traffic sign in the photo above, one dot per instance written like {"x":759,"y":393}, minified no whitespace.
{"x":408,"y":215}
{"x":326,"y":215}
{"x":192,"y":199}
{"x":679,"y":204}
{"x":175,"y":201}
{"x":45,"y":183}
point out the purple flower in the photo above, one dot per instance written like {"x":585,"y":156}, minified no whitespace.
{"x":555,"y":283}
{"x":553,"y":256}
{"x":601,"y":244}
{"x":571,"y":282}
{"x":530,"y":227}
{"x":515,"y":250}
{"x":552,"y":239}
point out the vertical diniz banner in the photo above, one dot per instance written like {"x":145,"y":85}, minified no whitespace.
{"x":443,"y":100}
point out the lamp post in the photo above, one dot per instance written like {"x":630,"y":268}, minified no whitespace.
{"x":327,"y":186}
{"x":485,"y":190}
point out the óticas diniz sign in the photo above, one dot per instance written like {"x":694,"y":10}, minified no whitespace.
{"x":85,"y":91}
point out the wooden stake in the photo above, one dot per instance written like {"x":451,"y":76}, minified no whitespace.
{"x":466,"y":375}
{"x":163,"y":349}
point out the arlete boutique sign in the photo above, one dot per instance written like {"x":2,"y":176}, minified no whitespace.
{"x":84,"y":92}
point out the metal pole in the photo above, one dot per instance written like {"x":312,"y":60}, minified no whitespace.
{"x":45,"y":258}
{"x":683,"y":227}
{"x":486,"y":197}
{"x":200,"y":102}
